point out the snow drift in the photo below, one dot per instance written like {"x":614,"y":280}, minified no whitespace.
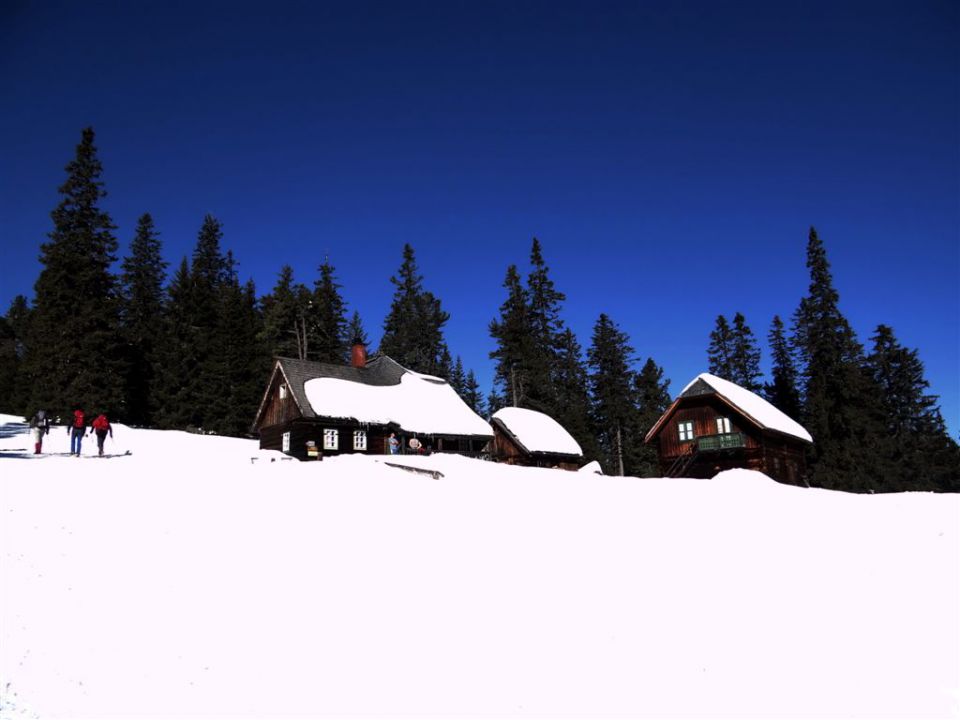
{"x":200,"y":576}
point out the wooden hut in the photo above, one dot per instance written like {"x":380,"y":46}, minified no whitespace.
{"x":312,"y":409}
{"x":717,"y":425}
{"x":527,"y":437}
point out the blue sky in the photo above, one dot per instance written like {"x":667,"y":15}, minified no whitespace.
{"x":670,"y":156}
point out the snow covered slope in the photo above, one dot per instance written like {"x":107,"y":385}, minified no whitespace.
{"x":189,"y":580}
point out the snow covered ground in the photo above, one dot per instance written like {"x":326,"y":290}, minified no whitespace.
{"x":187,"y":580}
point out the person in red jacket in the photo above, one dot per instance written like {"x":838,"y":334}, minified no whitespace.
{"x":76,"y":430}
{"x":101,"y":426}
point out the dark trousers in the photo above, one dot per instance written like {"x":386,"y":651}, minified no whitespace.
{"x":101,"y":438}
{"x":76,"y":439}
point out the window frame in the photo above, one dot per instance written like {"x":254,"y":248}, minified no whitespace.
{"x":360,"y":435}
{"x":686,"y":430}
{"x":328,"y":434}
{"x":724,"y":426}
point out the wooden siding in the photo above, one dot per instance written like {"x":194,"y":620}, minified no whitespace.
{"x":505,"y":450}
{"x":771,"y":453}
{"x":703,"y":413}
{"x":278,"y":411}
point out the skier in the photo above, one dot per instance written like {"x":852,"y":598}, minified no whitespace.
{"x":41,"y":426}
{"x":101,"y":426}
{"x":76,"y":430}
{"x":393,"y":445}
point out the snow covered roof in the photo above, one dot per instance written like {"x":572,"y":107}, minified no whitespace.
{"x":417,"y":403}
{"x":536,"y":432}
{"x":751,"y":405}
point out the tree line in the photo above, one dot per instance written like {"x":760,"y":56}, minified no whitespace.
{"x":192,"y":351}
{"x":875,"y":426}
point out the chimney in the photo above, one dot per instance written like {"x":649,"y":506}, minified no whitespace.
{"x":358,"y":354}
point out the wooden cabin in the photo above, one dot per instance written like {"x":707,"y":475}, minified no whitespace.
{"x":527,"y":437}
{"x":312,"y":409}
{"x":716,"y":425}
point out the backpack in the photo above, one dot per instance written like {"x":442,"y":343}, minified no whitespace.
{"x":101,"y":423}
{"x":78,"y":418}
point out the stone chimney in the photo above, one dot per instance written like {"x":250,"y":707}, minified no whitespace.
{"x":358,"y":354}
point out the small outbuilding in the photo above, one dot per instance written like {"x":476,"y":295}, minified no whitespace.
{"x":312,"y":409}
{"x":716,"y":425}
{"x":528,"y":437}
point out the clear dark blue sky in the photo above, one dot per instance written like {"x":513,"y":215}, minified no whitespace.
{"x":670,"y":156}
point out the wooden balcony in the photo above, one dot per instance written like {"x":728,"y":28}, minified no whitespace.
{"x":726,"y":441}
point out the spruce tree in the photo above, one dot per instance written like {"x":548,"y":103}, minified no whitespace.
{"x":513,"y":333}
{"x":458,"y":380}
{"x":284,"y":331}
{"x":210,"y":272}
{"x":329,"y":319}
{"x":782,"y":392}
{"x":720,"y":351}
{"x":142,"y":283}
{"x":745,"y":356}
{"x":612,"y":388}
{"x":573,"y":395}
{"x":237,"y":361}
{"x":653,"y":399}
{"x":840,"y":401}
{"x":74,"y":350}
{"x":15,"y":330}
{"x":176,"y":408}
{"x":546,"y":326}
{"x":413,"y":328}
{"x":355,"y":330}
{"x":472,"y":396}
{"x":919,"y":453}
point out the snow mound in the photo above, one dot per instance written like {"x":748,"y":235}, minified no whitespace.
{"x":592,"y":467}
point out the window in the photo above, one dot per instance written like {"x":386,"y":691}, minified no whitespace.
{"x":686,"y":430}
{"x":283,"y":392}
{"x":286,"y":442}
{"x":331,"y":439}
{"x":359,"y":439}
{"x":723,"y":426}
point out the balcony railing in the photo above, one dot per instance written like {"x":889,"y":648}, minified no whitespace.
{"x":726,"y":441}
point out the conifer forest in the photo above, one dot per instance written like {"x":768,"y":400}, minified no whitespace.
{"x":190,"y":347}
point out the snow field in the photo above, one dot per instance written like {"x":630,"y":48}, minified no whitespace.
{"x":186,"y":580}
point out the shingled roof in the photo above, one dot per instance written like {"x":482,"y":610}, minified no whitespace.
{"x":380,"y":370}
{"x":381,"y":392}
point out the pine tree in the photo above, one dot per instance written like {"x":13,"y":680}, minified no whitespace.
{"x":355,"y":331}
{"x":745,"y":356}
{"x":573,"y":395}
{"x":329,"y":319}
{"x":74,"y":350}
{"x":920,"y":455}
{"x":720,"y":352}
{"x":237,"y":361}
{"x":472,"y":396}
{"x":495,"y":401}
{"x":141,"y":315}
{"x":413,"y":328}
{"x":210,"y":272}
{"x":458,"y":380}
{"x":513,"y":333}
{"x":14,"y":329}
{"x":544,"y":315}
{"x":284,"y":332}
{"x":612,"y":388}
{"x":653,"y":399}
{"x":782,"y":392}
{"x":176,"y":408}
{"x":840,"y":401}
